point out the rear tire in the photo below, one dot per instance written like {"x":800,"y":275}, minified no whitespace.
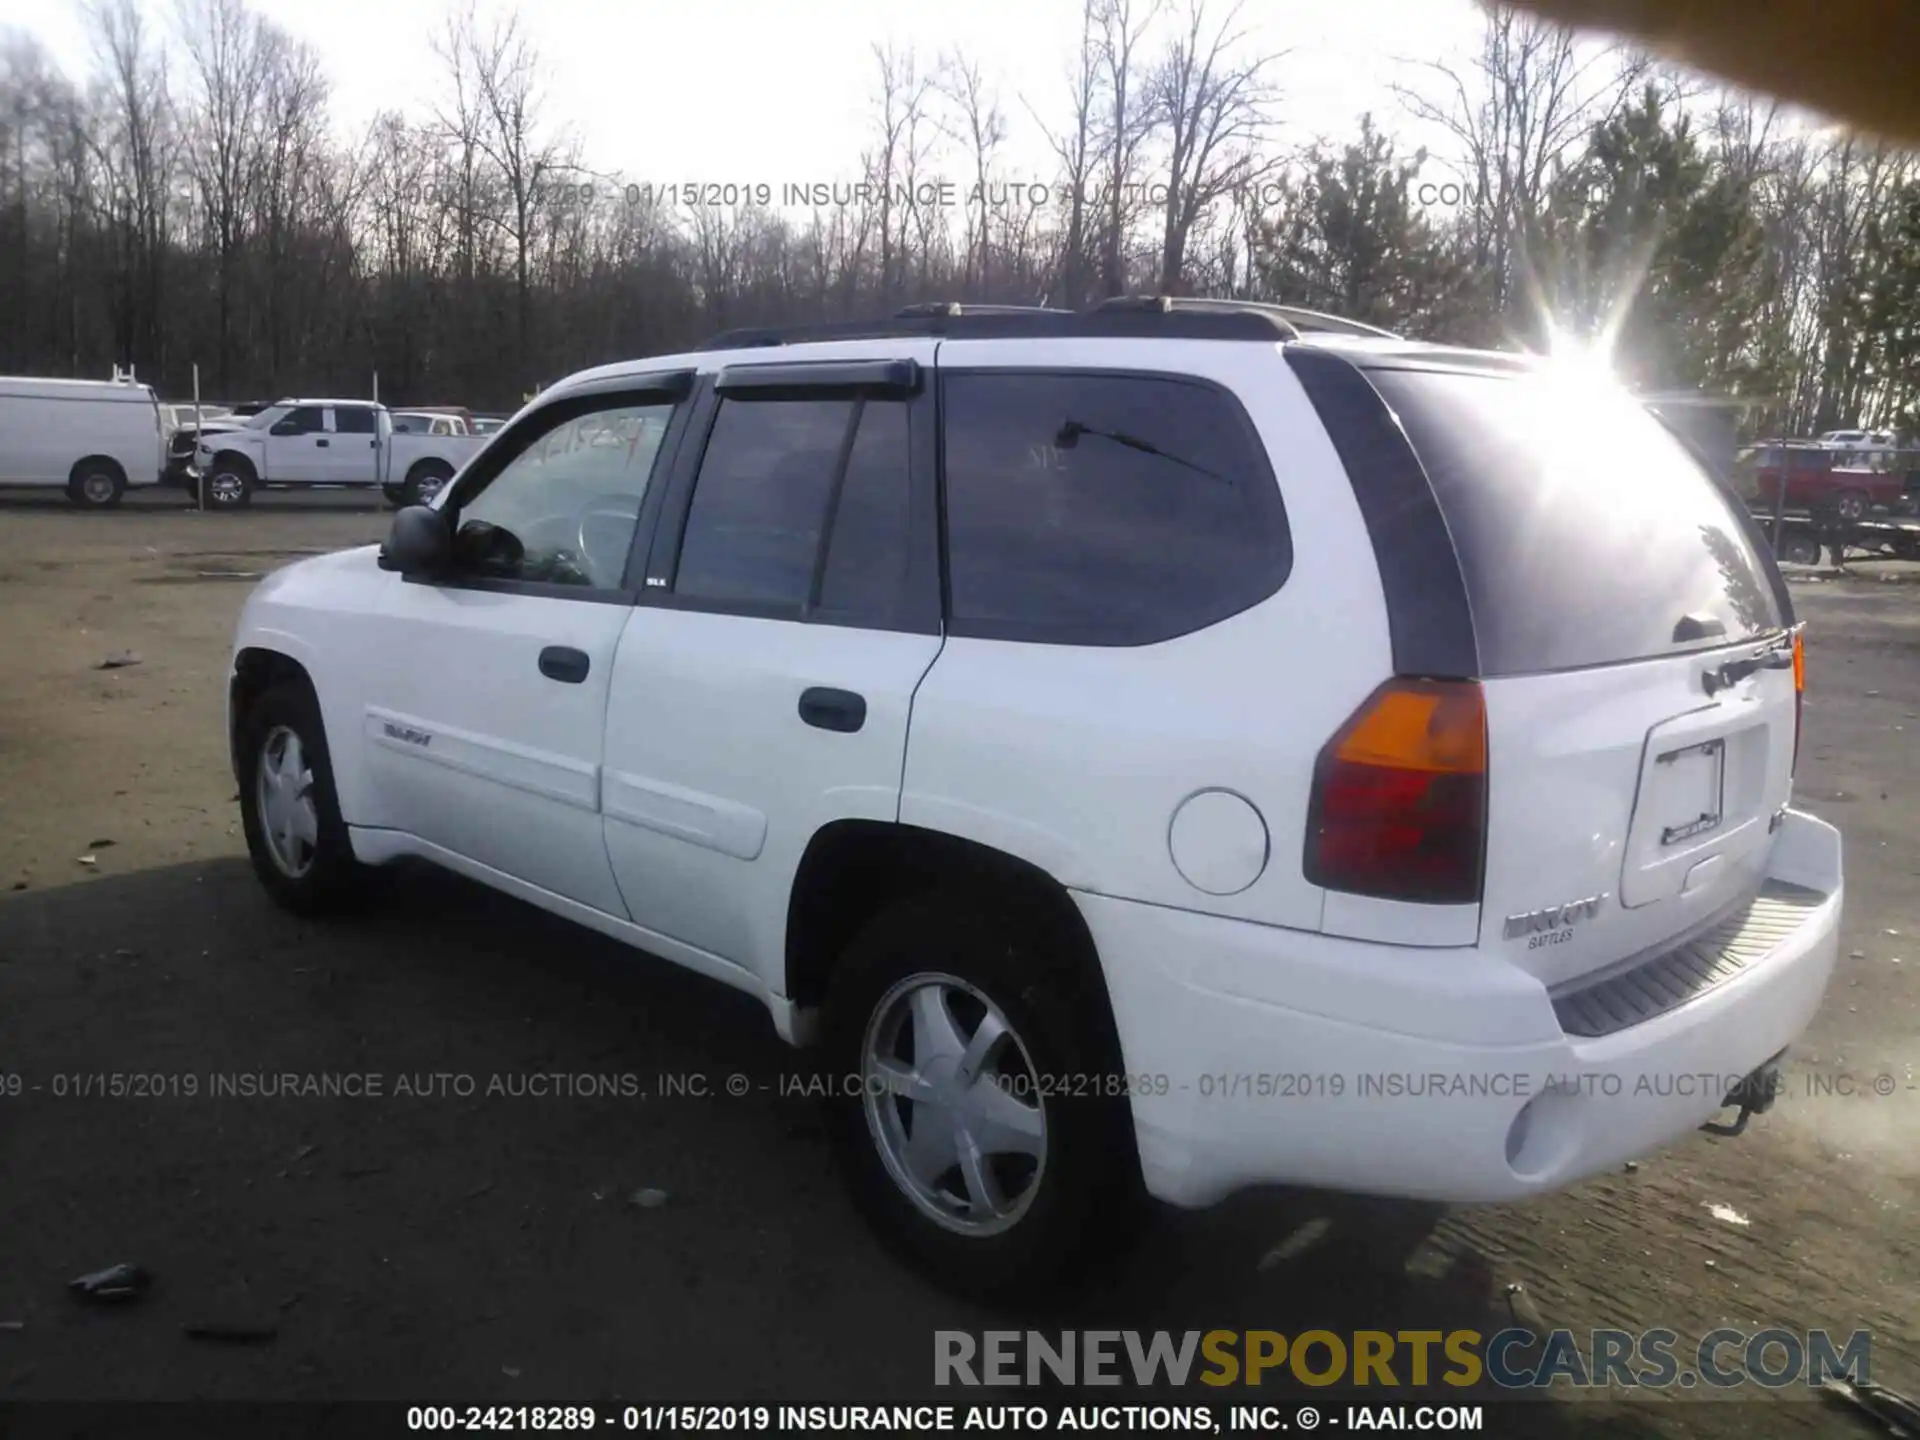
{"x":290,"y":810}
{"x":952,"y":1178}
{"x":1800,"y":550}
{"x":96,"y":484}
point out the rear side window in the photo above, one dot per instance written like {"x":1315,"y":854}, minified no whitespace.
{"x":1104,"y":509}
{"x":1586,"y":532}
{"x":348,"y":420}
{"x":800,"y":507}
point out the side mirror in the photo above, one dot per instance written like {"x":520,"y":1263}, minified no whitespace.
{"x":419,"y":542}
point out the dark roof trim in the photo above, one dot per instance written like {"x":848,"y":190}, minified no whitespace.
{"x":1429,"y":620}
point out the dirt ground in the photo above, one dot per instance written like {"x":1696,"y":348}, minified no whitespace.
{"x":466,"y":1247}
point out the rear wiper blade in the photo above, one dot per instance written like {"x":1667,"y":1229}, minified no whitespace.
{"x":1070,"y":433}
{"x":1734,"y":671}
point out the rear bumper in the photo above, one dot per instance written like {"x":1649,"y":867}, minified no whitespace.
{"x":1268,"y":1056}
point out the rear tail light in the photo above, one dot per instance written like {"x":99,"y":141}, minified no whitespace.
{"x":1799,"y":693}
{"x":1399,"y":807}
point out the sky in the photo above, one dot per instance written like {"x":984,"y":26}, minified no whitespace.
{"x":763,"y":92}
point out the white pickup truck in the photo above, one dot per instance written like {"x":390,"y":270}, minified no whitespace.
{"x":298,"y":444}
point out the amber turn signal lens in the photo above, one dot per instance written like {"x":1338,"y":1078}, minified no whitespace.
{"x":1399,"y":797}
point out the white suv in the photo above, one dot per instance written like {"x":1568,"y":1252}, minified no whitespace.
{"x":1168,"y":748}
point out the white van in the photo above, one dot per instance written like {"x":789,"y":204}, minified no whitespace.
{"x":93,"y":437}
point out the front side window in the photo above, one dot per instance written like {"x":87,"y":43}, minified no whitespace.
{"x":1104,"y":509}
{"x":564,"y":509}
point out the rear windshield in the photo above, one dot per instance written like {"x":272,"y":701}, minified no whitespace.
{"x":1587,"y":533}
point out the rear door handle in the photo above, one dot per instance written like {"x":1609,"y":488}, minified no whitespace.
{"x":827,"y":709}
{"x":565,"y":664}
{"x":322,"y":443}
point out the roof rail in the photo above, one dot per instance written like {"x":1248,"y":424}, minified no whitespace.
{"x":1165,"y":317}
{"x":1297,"y":318}
{"x":959,"y":307}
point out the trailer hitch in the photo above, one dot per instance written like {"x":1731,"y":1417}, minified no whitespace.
{"x":1754,"y":1095}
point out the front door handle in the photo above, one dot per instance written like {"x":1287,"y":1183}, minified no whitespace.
{"x":827,"y":709}
{"x":565,"y":664}
{"x":322,"y":443}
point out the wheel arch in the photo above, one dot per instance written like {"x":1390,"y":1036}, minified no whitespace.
{"x":854,"y":869}
{"x":256,"y":670}
{"x":81,"y":466}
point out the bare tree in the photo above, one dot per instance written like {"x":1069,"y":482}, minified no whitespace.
{"x":226,"y":47}
{"x":526,"y":161}
{"x":981,"y":128}
{"x":1518,"y":117}
{"x":1128,"y":122}
{"x":1075,"y":148}
{"x":899,"y":147}
{"x":291,"y":150}
{"x":1213,"y":103}
{"x":133,"y":149}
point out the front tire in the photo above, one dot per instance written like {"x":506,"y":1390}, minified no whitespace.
{"x":290,"y":810}
{"x":230,"y":484}
{"x":977,"y":1110}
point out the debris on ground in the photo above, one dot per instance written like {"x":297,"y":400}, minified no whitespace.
{"x":648,"y":1199}
{"x":1301,"y":1240}
{"x":231,"y":1332}
{"x":118,"y":661}
{"x":1525,"y":1313}
{"x":478,"y":1191}
{"x":360,"y":1172}
{"x":1899,"y":1413}
{"x":1633,"y":1167}
{"x":1726,"y":1213}
{"x":512,"y":1372}
{"x":115,"y":1283}
{"x":85,"y":860}
{"x":302,"y":1153}
{"x":19,"y":884}
{"x":1856,"y":954}
{"x":13,"y":1324}
{"x":98,"y":844}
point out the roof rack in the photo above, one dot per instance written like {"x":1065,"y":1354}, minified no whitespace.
{"x":1300,"y":320}
{"x":956,"y":307}
{"x":1162,"y":317}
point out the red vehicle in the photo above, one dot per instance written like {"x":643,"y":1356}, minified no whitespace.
{"x":1815,"y":479}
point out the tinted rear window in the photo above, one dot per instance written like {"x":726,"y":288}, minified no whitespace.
{"x":1586,"y":532}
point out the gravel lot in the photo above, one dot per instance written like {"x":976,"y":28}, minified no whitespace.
{"x":482,"y":1247}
